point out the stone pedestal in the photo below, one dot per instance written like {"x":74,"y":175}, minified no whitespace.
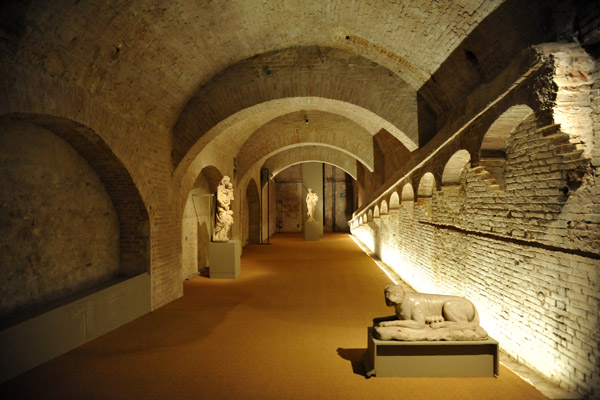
{"x":225,"y":259}
{"x":313,"y":230}
{"x":441,"y":359}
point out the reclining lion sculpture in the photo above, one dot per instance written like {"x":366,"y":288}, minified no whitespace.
{"x":421,"y":316}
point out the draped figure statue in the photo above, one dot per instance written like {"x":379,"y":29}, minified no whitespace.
{"x":311,"y":203}
{"x":224,"y":214}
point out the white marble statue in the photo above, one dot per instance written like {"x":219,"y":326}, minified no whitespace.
{"x":421,"y":316}
{"x":311,"y":203}
{"x":224,"y":214}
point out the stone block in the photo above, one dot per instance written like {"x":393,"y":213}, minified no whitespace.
{"x":391,"y":358}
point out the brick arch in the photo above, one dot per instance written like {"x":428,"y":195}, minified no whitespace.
{"x":492,"y":154}
{"x":408,"y":198}
{"x":297,"y":155}
{"x":454,"y":167}
{"x":297,"y":72}
{"x":426,"y":185}
{"x":134,"y":225}
{"x":230,"y":134}
{"x":384,"y":207}
{"x":394,"y":201}
{"x":408,"y":194}
{"x":291,"y":130}
{"x":212,"y":175}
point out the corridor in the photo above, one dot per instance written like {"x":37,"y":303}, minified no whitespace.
{"x":292,"y":326}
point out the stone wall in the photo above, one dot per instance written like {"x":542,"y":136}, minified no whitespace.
{"x":526,"y":251}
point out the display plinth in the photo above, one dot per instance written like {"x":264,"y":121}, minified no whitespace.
{"x":225,"y":259}
{"x":313,"y":230}
{"x":393,"y":358}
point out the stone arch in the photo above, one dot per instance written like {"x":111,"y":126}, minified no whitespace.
{"x":426,"y":185}
{"x":376,"y":212}
{"x":251,"y":214}
{"x":70,"y":209}
{"x":493,"y":146}
{"x":394,"y":201}
{"x":384,"y":207}
{"x":454,"y":168}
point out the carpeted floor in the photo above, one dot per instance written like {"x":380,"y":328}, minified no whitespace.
{"x":292,"y":326}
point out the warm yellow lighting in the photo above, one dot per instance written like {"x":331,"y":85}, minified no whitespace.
{"x":374,"y":260}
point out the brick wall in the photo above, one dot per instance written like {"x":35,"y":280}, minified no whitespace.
{"x":527,"y":254}
{"x":52,"y":204}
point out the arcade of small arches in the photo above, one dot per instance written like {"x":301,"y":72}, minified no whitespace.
{"x":461,"y":165}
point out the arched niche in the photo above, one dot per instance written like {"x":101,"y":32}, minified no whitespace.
{"x":451,"y":179}
{"x":408,"y":194}
{"x":394,"y":201}
{"x":197,"y":221}
{"x":370,"y":215}
{"x":70,"y":210}
{"x":425,"y":192}
{"x":408,"y":197}
{"x":251,"y":214}
{"x":376,"y":212}
{"x":384,"y":207}
{"x":492,"y":155}
{"x":454,"y":168}
{"x":426,"y":185}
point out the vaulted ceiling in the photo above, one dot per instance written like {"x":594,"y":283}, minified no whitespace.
{"x":245,"y":75}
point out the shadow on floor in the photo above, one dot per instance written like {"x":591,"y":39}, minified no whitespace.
{"x":355,"y":356}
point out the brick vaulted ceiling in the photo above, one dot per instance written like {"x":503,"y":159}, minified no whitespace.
{"x":221,"y":71}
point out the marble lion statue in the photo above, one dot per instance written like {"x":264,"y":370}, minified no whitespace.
{"x":422,"y":316}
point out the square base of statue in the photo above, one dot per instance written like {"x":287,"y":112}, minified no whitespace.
{"x":313,"y":230}
{"x":433,"y":359}
{"x":224,"y":258}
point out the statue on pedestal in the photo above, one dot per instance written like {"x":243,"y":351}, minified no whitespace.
{"x":224,"y":214}
{"x":421,"y":316}
{"x":311,"y":203}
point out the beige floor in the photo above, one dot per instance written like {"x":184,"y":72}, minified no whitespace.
{"x":292,"y":326}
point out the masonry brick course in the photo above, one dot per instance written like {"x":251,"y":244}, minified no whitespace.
{"x":526,"y":254}
{"x":166,"y":92}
